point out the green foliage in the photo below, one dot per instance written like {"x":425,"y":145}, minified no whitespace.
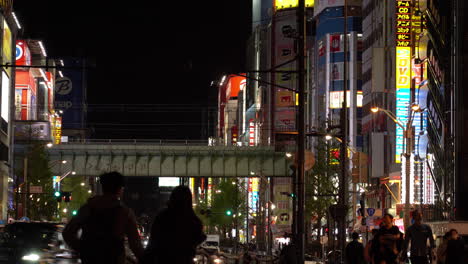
{"x":41,"y":206}
{"x":322,"y":180}
{"x":79,"y":194}
{"x":227,"y":197}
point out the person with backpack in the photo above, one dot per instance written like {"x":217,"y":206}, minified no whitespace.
{"x":176,"y":231}
{"x":104,"y":223}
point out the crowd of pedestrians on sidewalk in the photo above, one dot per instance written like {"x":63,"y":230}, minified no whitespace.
{"x":390,"y":246}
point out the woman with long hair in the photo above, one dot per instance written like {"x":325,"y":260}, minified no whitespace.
{"x":176,"y":231}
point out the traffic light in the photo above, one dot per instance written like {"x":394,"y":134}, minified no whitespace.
{"x":58,"y":196}
{"x":74,"y":212}
{"x":67,"y":196}
{"x":228,"y":212}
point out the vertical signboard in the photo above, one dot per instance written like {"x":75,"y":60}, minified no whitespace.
{"x":69,"y":95}
{"x":403,"y":70}
{"x":253,"y":194}
{"x":284,"y":54}
{"x":7,"y":55}
{"x":282,"y":212}
{"x":57,"y":130}
{"x":403,"y":94}
{"x":22,"y":53}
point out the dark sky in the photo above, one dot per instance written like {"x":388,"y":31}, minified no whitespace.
{"x":161,"y":55}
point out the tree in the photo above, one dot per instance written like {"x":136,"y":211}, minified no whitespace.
{"x":79,"y":193}
{"x":322,"y":181}
{"x":41,"y":206}
{"x":226,"y":203}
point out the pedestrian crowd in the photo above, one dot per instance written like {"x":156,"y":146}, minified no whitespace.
{"x":390,"y":246}
{"x":105,"y":224}
{"x":99,"y":231}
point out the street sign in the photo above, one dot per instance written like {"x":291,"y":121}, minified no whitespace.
{"x":35,"y":189}
{"x":370,"y":211}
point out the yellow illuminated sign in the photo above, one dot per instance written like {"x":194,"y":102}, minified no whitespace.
{"x":403,"y":67}
{"x":284,"y":4}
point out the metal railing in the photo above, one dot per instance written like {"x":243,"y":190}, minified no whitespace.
{"x":163,"y":142}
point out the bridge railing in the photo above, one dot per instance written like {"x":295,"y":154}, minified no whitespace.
{"x":162,"y":142}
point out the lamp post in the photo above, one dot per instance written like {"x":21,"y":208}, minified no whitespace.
{"x":408,"y":137}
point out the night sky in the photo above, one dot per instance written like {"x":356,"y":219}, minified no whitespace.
{"x":154,"y":60}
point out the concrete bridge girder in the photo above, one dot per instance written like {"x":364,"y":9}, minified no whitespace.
{"x":169,"y":161}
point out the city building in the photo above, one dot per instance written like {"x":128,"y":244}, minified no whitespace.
{"x":9,"y":28}
{"x":36,"y":122}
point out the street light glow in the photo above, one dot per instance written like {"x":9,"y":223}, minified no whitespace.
{"x":288,"y":155}
{"x":374,"y":109}
{"x":328,"y":137}
{"x":415,"y":108}
{"x":73,"y":172}
{"x":49,"y":145}
{"x":64,"y":161}
{"x":82,"y":184}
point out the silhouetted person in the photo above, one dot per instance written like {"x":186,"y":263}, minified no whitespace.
{"x":354,"y":251}
{"x":176,"y":231}
{"x":455,"y":249}
{"x":105,"y":222}
{"x":419,"y":235}
{"x":387,"y":242}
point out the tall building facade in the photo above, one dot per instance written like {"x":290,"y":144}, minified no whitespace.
{"x":8,"y":29}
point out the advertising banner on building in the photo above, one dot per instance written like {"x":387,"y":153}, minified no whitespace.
{"x":285,"y":119}
{"x":403,"y":94}
{"x":32,"y":130}
{"x":69,"y":95}
{"x":22,"y":53}
{"x":284,"y":99}
{"x":7,"y":43}
{"x":283,"y":211}
{"x":285,"y":25}
{"x":253,"y":194}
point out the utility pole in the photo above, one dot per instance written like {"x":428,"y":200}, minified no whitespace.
{"x":301,"y":28}
{"x":342,"y":202}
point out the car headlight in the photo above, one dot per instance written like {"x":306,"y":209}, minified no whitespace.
{"x":218,"y":260}
{"x":31,"y":257}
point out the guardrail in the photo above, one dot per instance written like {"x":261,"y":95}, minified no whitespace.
{"x":166,"y":142}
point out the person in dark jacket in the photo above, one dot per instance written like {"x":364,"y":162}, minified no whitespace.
{"x":455,"y":249}
{"x":386,"y":245}
{"x":354,"y":250}
{"x":176,"y":231}
{"x":104,"y":222}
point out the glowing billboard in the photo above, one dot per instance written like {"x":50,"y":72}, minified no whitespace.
{"x":5,"y":108}
{"x":7,"y":46}
{"x":253,"y":193}
{"x":284,"y":4}
{"x":403,"y":94}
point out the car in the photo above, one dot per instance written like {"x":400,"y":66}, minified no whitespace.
{"x":30,"y":242}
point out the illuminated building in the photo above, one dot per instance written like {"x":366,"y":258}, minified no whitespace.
{"x":9,"y":30}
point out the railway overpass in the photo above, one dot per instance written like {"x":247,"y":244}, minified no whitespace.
{"x":163,"y":158}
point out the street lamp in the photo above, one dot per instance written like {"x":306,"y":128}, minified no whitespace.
{"x":407,"y":135}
